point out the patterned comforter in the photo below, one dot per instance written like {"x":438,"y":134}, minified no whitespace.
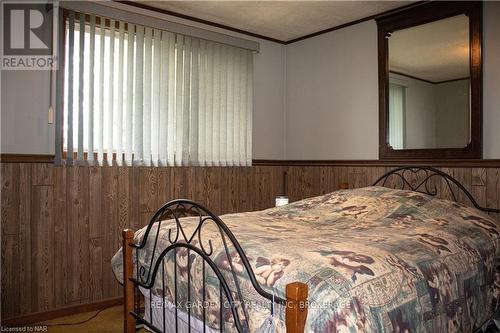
{"x":375,"y":260}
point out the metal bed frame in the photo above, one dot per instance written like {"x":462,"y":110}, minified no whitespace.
{"x":296,"y":293}
{"x":431,"y":181}
{"x":422,"y":179}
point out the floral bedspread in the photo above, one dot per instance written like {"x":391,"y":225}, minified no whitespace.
{"x":375,"y":260}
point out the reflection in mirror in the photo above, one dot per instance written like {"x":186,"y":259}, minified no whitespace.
{"x":429,"y":85}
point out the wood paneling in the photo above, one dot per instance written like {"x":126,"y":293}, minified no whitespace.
{"x":108,"y":224}
{"x":26,"y":158}
{"x":42,"y":246}
{"x":61,"y":225}
{"x":10,"y":283}
{"x":25,"y":247}
{"x":60,"y":237}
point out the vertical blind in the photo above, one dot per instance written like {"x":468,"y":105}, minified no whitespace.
{"x":397,"y":115}
{"x":139,"y":95}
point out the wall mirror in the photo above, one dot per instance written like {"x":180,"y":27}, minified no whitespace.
{"x":430,"y":82}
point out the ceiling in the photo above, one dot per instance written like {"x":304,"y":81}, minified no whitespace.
{"x":436,"y":51}
{"x":281,"y":20}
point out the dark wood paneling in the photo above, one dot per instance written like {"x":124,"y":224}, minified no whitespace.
{"x":493,"y":189}
{"x":60,"y":225}
{"x":211,"y":190}
{"x":42,"y":174}
{"x":96,"y":235}
{"x":26,"y":158}
{"x":244,"y":183}
{"x":134,"y":199}
{"x":148,"y":189}
{"x":42,"y":245}
{"x":77,"y":249}
{"x":10,"y":199}
{"x":10,"y":283}
{"x":165,"y":185}
{"x":24,"y":246}
{"x":109,"y":226}
{"x":229,"y":197}
{"x":60,"y":237}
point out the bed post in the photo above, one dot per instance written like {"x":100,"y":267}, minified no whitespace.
{"x":128,"y":286}
{"x":296,"y":307}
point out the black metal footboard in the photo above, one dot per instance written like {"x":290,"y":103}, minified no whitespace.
{"x":168,"y":275}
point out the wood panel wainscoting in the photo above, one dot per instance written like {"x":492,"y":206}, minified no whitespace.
{"x":62,"y":225}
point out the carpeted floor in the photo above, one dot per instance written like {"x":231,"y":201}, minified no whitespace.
{"x":107,"y":321}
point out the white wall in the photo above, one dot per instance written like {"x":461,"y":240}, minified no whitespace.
{"x":25,"y":103}
{"x":268,"y":110}
{"x":24,"y":113}
{"x":332,"y":92}
{"x":329,"y":91}
{"x":332,"y":95}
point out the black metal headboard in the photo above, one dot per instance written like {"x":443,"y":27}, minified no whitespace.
{"x":428,"y":180}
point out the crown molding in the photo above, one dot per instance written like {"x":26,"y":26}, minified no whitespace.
{"x":198,"y":20}
{"x":248,"y":33}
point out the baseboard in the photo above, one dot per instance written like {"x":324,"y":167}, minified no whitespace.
{"x":61,"y":312}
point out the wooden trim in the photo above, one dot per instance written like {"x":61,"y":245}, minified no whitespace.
{"x":296,"y":307}
{"x":427,"y":81}
{"x":26,"y":158}
{"x":452,"y":80}
{"x":462,"y":163}
{"x":62,"y":312}
{"x":248,"y":33}
{"x":426,"y":13}
{"x":345,"y":25}
{"x":198,"y":20}
{"x":411,"y":77}
{"x":455,"y":163}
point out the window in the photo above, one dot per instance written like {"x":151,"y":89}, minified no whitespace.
{"x":397,"y":116}
{"x":138,"y":95}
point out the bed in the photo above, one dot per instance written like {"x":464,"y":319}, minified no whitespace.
{"x":387,"y":258}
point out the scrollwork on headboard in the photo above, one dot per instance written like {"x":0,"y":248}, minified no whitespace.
{"x":428,"y":180}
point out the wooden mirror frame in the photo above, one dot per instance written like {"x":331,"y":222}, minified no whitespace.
{"x":421,"y":14}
